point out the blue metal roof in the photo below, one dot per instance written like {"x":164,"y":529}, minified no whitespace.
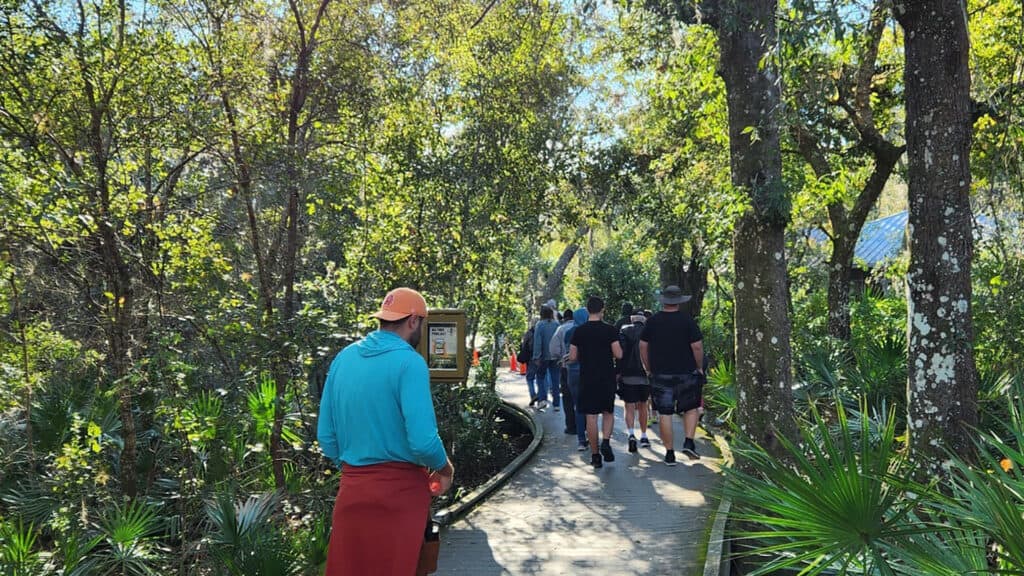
{"x":883,"y":239}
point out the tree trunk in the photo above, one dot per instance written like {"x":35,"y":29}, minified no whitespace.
{"x":25,"y":365}
{"x":943,"y":380}
{"x":746,"y":32}
{"x":840,"y":270}
{"x":118,"y":279}
{"x":553,"y":284}
{"x":295,"y":174}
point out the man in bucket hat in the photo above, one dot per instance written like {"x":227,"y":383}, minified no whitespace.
{"x":672,"y":351}
{"x":377,"y":420}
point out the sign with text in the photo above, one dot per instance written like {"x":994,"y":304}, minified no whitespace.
{"x":443,"y":344}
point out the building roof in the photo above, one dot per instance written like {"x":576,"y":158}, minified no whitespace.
{"x":883,"y":239}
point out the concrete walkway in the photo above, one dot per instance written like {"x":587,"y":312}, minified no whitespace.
{"x":558,"y":515}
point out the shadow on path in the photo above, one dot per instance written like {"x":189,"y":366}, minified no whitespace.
{"x":560,"y":516}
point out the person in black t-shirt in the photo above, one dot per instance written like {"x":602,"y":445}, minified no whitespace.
{"x":595,"y":345}
{"x":634,"y":388}
{"x":672,"y":351}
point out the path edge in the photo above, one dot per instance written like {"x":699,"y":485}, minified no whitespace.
{"x":717,"y":553}
{"x":449,"y":515}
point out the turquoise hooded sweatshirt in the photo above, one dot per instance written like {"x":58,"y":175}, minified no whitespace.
{"x":376,"y":406}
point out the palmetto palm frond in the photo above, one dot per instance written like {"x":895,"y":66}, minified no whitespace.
{"x":32,"y":501}
{"x":235,"y":523}
{"x":261,"y":402}
{"x":952,"y":550}
{"x":18,"y":553}
{"x":720,"y":390}
{"x":73,"y":549}
{"x":128,"y":543}
{"x":245,"y":541}
{"x":988,"y":496}
{"x":880,"y":371}
{"x":993,"y":410}
{"x":832,"y":508}
{"x":823,"y":370}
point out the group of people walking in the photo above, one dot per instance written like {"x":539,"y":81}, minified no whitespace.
{"x":583,"y":362}
{"x":377,"y":418}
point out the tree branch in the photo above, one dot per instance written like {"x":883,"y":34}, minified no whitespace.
{"x":483,"y":14}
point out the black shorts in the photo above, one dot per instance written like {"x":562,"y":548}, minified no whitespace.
{"x":677,"y":394}
{"x":597,"y":397}
{"x":634,"y":392}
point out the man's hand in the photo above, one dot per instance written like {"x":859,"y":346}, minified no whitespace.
{"x":441,"y":480}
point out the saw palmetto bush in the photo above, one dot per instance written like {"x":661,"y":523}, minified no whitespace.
{"x":720,"y":396}
{"x":841,"y":501}
{"x":988,"y":497}
{"x":831,"y":506}
{"x":246,"y":541}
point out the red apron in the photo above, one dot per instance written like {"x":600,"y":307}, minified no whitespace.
{"x":379,"y":518}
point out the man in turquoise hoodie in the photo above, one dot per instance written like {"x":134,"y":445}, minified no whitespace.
{"x":377,"y":420}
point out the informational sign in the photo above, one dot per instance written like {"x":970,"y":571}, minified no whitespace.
{"x":443,"y":345}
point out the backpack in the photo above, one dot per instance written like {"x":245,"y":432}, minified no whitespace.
{"x":526,"y":347}
{"x":629,"y":338}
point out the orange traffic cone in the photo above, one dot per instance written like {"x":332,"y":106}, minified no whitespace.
{"x":512,"y":365}
{"x":476,"y":357}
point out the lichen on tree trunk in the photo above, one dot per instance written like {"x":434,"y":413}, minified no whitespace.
{"x":942,"y":377}
{"x":746,"y":32}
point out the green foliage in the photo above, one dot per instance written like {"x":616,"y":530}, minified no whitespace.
{"x":617,"y":277}
{"x":19,"y":554}
{"x":476,"y":435}
{"x":995,"y":387}
{"x":835,"y":507}
{"x":245,"y":541}
{"x":127,"y":543}
{"x":987,"y":497}
{"x":998,"y":308}
{"x":873,"y":365}
{"x":720,"y":391}
{"x":842,"y":501}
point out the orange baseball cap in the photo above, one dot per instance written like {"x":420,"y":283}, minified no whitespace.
{"x":401,"y":303}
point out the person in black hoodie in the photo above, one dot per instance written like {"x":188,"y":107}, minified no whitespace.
{"x":627,"y":311}
{"x":634,"y":389}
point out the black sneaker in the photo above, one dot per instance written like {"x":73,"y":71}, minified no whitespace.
{"x":690,"y":449}
{"x":582,"y":447}
{"x":533,"y":402}
{"x":670,"y":458}
{"x":632,"y":443}
{"x":595,"y":460}
{"x":606,"y":450}
{"x":558,"y":409}
{"x":644,"y":442}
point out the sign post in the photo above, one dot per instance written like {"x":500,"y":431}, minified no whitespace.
{"x":443,"y":345}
